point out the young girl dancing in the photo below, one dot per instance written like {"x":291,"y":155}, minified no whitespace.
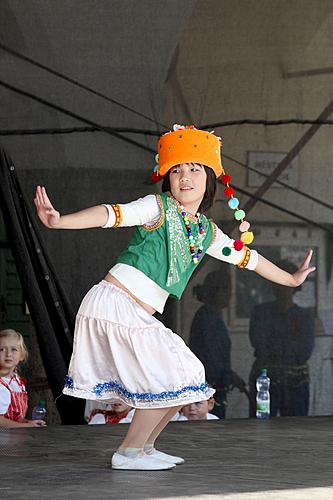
{"x":121,"y":351}
{"x":13,"y":396}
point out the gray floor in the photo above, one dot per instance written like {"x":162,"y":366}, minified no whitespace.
{"x":286,"y":458}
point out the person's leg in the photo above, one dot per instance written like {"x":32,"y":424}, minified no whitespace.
{"x":149,"y":447}
{"x":297,"y":404}
{"x":160,"y":426}
{"x":302,"y":400}
{"x":276,"y":397}
{"x":131,"y":455}
{"x":142,"y":426}
{"x":253,"y":391}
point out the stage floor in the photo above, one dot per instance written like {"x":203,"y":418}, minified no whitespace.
{"x":283,"y":458}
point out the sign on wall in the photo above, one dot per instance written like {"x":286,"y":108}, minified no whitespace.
{"x":266,"y":162}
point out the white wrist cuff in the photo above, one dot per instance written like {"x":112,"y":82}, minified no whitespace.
{"x":112,"y":216}
{"x":253,"y":260}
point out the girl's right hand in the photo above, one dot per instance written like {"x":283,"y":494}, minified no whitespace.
{"x":45,"y":211}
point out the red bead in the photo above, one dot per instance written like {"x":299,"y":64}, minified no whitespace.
{"x":202,"y":231}
{"x":225,"y":179}
{"x":238,"y":245}
{"x":229,"y":191}
{"x":155,"y":177}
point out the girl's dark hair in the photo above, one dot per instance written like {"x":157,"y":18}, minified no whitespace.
{"x":208,"y":199}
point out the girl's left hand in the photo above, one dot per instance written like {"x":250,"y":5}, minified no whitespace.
{"x":36,"y":423}
{"x":304,"y":270}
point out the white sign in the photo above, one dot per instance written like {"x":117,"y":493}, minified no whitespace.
{"x":266,"y":162}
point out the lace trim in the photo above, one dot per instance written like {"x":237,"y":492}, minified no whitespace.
{"x":214,"y":232}
{"x":160,"y":220}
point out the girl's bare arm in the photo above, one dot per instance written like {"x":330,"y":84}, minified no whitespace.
{"x":96,"y":216}
{"x":6,"y":423}
{"x":271,"y":272}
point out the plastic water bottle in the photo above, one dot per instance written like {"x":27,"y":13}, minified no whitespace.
{"x":39,"y":411}
{"x":263,"y":398}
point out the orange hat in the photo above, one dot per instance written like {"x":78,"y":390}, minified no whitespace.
{"x":189,"y":145}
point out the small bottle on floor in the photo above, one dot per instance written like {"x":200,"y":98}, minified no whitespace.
{"x":263,"y":396}
{"x":39,"y":411}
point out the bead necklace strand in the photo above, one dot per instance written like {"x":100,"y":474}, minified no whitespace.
{"x":195,"y":255}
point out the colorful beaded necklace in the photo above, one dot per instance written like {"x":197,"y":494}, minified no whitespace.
{"x":201,"y":236}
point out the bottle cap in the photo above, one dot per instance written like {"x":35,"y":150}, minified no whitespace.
{"x":263,"y":371}
{"x":41,"y":403}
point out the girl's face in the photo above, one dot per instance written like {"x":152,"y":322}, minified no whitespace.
{"x":10,"y":355}
{"x":188,"y":185}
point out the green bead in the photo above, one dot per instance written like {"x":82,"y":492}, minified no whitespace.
{"x":239,"y":214}
{"x":226,"y":251}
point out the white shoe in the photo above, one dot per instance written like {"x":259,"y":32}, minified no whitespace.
{"x":166,"y":458}
{"x":140,"y":462}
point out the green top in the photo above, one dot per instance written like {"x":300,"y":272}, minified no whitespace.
{"x":162,"y":251}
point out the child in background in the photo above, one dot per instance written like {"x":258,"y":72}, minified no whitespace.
{"x":198,"y":411}
{"x":104,"y":413}
{"x":13,"y":396}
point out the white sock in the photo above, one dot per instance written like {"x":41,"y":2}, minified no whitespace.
{"x":149,"y":448}
{"x":129,"y":452}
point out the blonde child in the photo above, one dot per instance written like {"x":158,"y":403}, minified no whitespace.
{"x":121,"y":351}
{"x":13,"y":396}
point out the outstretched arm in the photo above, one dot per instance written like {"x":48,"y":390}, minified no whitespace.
{"x":90,"y":217}
{"x":271,"y":272}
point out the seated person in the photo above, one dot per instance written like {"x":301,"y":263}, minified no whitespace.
{"x":197,"y":411}
{"x":97,"y":412}
{"x":13,"y":396}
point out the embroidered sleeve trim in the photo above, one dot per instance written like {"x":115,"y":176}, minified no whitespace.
{"x":119,"y":215}
{"x":213,"y":232}
{"x":246,"y":257}
{"x":160,"y":220}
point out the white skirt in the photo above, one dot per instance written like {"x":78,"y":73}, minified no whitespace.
{"x":121,"y":352}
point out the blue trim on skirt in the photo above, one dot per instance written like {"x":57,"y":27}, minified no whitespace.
{"x":113,"y":386}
